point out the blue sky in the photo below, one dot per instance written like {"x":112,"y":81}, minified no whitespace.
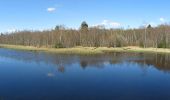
{"x":45,"y":14}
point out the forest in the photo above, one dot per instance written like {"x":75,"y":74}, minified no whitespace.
{"x":60,"y":37}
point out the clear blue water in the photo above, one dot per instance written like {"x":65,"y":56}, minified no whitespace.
{"x":116,"y":76}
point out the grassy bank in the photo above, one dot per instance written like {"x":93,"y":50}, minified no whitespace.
{"x":87,"y":50}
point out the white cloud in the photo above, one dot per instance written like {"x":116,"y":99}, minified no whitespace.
{"x":162,"y":19}
{"x":153,"y":24}
{"x":11,"y":30}
{"x":109,"y":24}
{"x":115,"y":24}
{"x":50,"y":75}
{"x":51,"y":9}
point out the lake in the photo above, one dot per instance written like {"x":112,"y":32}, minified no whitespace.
{"x":114,"y":76}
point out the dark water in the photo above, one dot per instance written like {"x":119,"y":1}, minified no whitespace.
{"x":116,"y":76}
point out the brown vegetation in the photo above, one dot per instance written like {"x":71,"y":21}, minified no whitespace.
{"x":157,"y":37}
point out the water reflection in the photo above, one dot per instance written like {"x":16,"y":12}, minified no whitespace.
{"x":159,"y":61}
{"x":115,"y":76}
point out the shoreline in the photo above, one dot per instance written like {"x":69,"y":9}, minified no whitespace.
{"x":87,"y":50}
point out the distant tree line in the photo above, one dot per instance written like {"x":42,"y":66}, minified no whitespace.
{"x":60,"y":37}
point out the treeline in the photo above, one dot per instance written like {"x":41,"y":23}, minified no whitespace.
{"x":157,"y":37}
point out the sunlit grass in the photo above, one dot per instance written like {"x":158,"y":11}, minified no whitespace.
{"x":87,"y":50}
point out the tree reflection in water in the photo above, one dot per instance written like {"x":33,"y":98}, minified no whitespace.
{"x":159,"y":61}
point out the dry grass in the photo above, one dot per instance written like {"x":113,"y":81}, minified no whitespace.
{"x":87,"y":50}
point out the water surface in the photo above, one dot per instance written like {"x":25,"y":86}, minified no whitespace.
{"x":116,"y":76}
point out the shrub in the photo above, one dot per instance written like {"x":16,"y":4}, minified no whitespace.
{"x":118,"y":43}
{"x":141,"y":44}
{"x":162,"y":44}
{"x":59,"y":45}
